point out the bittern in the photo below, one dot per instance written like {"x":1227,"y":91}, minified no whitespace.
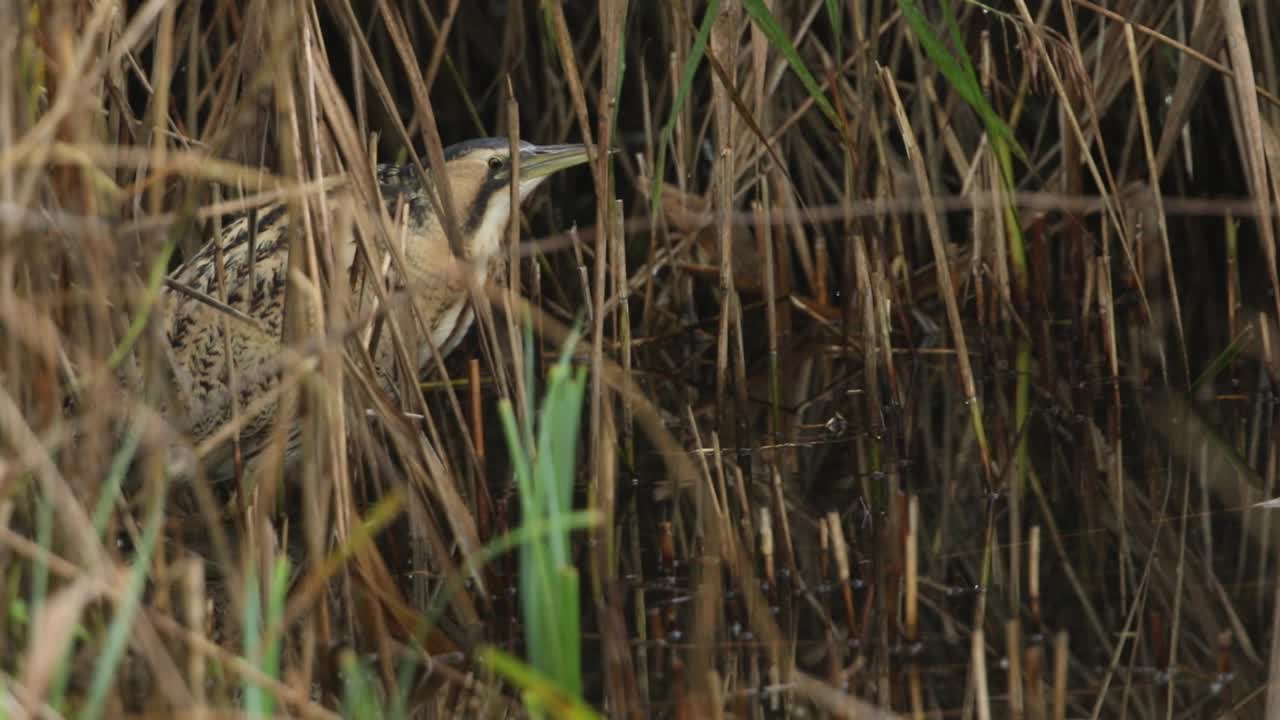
{"x":253,"y":251}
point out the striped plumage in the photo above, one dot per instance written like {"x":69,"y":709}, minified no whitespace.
{"x":196,"y":346}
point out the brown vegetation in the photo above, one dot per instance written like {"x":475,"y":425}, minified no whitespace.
{"x":930,"y":364}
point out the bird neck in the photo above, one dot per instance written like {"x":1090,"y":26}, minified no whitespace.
{"x":486,"y":237}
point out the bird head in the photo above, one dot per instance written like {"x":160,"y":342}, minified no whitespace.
{"x":480,"y":176}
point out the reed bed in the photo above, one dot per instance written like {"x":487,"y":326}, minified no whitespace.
{"x":892,"y":358}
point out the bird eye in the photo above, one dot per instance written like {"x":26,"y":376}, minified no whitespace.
{"x":495,"y":163}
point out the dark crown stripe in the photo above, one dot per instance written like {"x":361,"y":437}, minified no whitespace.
{"x":457,"y":150}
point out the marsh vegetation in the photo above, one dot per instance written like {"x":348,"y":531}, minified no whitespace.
{"x":905,"y":358}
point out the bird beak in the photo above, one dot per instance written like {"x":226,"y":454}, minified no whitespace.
{"x":540,"y":161}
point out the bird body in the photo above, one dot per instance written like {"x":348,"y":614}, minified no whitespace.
{"x":200,"y":337}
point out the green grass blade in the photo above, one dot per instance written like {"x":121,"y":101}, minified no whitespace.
{"x":541,"y":694}
{"x":359,"y":698}
{"x":1223,"y":360}
{"x":102,"y":512}
{"x":253,"y":635}
{"x":691,"y":63}
{"x":520,"y":464}
{"x":569,"y":640}
{"x":544,"y":470}
{"x":155,"y":282}
{"x":557,"y":448}
{"x":270,"y":664}
{"x":534,"y":531}
{"x":781,"y":42}
{"x":959,"y":72}
{"x":118,"y":634}
{"x":115,"y":478}
{"x":262,"y":643}
{"x":836,"y":18}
